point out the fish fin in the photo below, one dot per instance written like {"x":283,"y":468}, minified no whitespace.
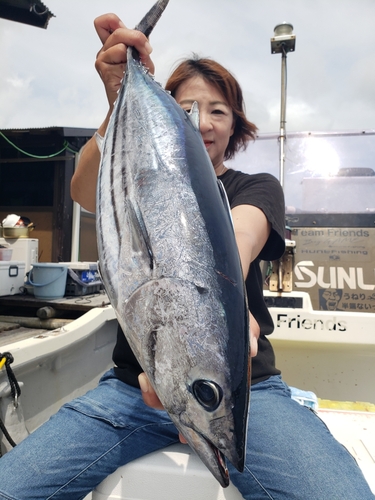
{"x":140,"y":234}
{"x":147,"y":24}
{"x":194,"y":115}
{"x":225,"y":200}
{"x":99,"y":139}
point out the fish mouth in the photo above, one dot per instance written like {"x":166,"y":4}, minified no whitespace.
{"x":211,"y":456}
{"x":221,"y":463}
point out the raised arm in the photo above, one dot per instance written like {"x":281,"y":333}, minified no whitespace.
{"x":110,"y":64}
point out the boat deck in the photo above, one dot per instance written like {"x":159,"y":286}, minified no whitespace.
{"x":27,"y":305}
{"x":79,"y":304}
{"x":10,"y":332}
{"x":356,"y":431}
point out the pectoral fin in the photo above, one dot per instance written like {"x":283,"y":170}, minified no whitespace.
{"x":140,"y":238}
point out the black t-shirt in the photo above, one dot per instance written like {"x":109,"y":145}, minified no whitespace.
{"x":264,"y":192}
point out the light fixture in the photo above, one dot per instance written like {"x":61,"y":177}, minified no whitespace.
{"x":283,"y":40}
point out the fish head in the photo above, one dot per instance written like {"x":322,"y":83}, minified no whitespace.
{"x":183,"y":350}
{"x":210,"y":423}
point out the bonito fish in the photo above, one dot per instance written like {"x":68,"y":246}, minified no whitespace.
{"x":170,"y":265}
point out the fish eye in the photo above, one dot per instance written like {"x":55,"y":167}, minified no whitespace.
{"x":207,"y":393}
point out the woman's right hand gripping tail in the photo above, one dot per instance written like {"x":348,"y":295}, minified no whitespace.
{"x":111,"y":59}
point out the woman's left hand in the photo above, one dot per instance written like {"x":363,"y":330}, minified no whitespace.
{"x":151,"y":399}
{"x":254,"y":335}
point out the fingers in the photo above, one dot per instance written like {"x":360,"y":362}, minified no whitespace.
{"x":113,"y":54}
{"x":128,"y":37}
{"x":110,"y":64}
{"x":106,"y":24}
{"x":182,"y":439}
{"x":149,"y":395}
{"x":111,"y":59}
{"x":150,"y":398}
{"x":254,"y":335}
{"x":112,"y":31}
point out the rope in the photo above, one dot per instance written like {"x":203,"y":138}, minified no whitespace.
{"x":5,"y":360}
{"x":65,"y":147}
{"x":14,"y":387}
{"x":6,"y":434}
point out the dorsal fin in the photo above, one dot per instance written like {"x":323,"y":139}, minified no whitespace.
{"x":194,"y":115}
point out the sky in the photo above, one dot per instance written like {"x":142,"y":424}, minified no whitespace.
{"x":47,"y":77}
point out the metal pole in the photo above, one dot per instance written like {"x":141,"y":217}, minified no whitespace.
{"x":76,"y":223}
{"x":282,"y":137}
{"x":282,"y":42}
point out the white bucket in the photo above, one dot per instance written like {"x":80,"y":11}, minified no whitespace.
{"x":48,"y":280}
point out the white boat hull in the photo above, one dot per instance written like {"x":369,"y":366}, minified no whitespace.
{"x":56,"y":366}
{"x":331,"y":353}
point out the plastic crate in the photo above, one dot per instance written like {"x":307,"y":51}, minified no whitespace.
{"x":77,"y":290}
{"x":84,"y":281}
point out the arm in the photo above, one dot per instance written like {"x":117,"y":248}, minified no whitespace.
{"x":110,"y":64}
{"x":251,"y":230}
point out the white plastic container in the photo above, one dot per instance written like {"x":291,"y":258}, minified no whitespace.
{"x":24,"y":250}
{"x":12,"y":277}
{"x":6,"y":254}
{"x":175,"y":472}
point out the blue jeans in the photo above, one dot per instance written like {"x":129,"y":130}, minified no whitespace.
{"x":290,"y":453}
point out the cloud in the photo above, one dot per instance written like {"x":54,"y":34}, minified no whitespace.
{"x":48,"y":76}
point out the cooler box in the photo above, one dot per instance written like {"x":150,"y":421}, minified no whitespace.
{"x":12,"y":277}
{"x":24,"y":250}
{"x":82,"y":279}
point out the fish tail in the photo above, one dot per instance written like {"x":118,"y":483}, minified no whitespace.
{"x":152,"y":17}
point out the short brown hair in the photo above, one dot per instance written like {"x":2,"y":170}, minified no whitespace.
{"x":215,"y":74}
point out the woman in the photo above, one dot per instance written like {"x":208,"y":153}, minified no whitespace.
{"x":290,"y":453}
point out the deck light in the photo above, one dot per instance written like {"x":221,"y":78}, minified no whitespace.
{"x":283,"y":40}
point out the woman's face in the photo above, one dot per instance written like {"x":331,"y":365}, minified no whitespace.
{"x":215,"y":116}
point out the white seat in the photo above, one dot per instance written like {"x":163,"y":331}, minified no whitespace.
{"x":175,"y":473}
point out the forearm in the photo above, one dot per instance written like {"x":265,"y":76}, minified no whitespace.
{"x":246,"y":251}
{"x":84,"y":180}
{"x":251,"y":229}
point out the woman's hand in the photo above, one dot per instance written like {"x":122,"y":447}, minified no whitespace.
{"x":151,"y":399}
{"x":111,"y":59}
{"x":254,"y":335}
{"x":149,"y":395}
